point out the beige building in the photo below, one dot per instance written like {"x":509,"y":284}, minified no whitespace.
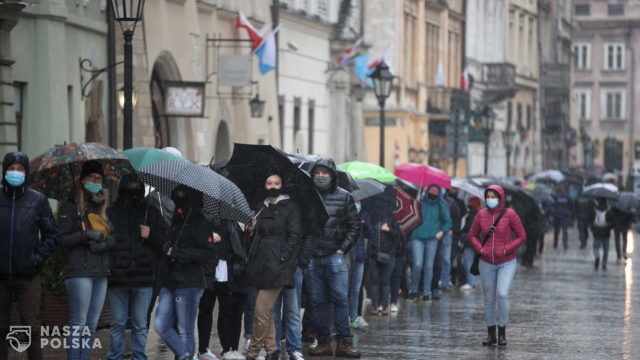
{"x":425,"y":36}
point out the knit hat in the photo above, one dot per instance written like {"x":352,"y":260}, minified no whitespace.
{"x":91,"y":167}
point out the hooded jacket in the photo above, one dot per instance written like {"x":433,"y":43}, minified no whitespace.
{"x":435,"y":213}
{"x":343,"y":227}
{"x":601,"y":232}
{"x":501,"y":247}
{"x":28,"y":233}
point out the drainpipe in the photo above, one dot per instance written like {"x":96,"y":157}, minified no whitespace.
{"x":632,"y":118}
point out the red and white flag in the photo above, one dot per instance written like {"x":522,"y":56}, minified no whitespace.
{"x":255,"y":35}
{"x":387,"y":58}
{"x":464,"y":80}
{"x":348,"y":53}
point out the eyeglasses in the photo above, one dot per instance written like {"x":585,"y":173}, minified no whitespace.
{"x":94,"y":178}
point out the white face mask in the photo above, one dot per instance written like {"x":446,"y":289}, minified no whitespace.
{"x":492,"y":203}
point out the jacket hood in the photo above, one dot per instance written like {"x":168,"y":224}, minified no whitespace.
{"x":500,"y":192}
{"x":333,"y":170}
{"x":10,"y":159}
{"x":128,"y":179}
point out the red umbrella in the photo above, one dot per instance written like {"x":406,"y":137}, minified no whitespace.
{"x":408,"y":211}
{"x":423,"y":175}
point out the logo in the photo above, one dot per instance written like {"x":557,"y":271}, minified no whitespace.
{"x":19,"y":337}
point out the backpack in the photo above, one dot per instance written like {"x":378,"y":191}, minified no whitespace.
{"x":601,"y":219}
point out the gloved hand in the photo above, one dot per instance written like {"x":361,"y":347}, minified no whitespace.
{"x":94,"y":235}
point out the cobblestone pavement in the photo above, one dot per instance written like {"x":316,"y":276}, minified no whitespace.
{"x":561,"y":309}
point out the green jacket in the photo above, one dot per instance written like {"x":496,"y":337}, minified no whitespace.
{"x":435,"y":217}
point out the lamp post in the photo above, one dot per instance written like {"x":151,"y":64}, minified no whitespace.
{"x":508,"y":136}
{"x":257,"y":106}
{"x":488,"y":122}
{"x":382,"y":81}
{"x":127,"y":13}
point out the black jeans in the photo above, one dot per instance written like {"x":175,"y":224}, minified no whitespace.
{"x":618,"y":235}
{"x":27,"y":293}
{"x":230,"y":310}
{"x":583,"y":230}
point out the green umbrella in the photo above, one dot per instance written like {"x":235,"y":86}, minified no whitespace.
{"x":363,"y":170}
{"x":141,"y":157}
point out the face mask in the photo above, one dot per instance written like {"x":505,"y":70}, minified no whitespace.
{"x":358,"y":206}
{"x":322,"y":182}
{"x":274,"y":193}
{"x":509,"y":198}
{"x":136,"y":195}
{"x":14,"y":178}
{"x":180,"y":202}
{"x":92,"y":187}
{"x":492,"y":203}
{"x":431,"y":196}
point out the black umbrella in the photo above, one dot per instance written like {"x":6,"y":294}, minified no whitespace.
{"x":602,"y":190}
{"x":409,"y":188}
{"x":219,"y":166}
{"x":378,"y":199}
{"x":306,"y":161}
{"x":221,"y":197}
{"x":628,"y":202}
{"x":248,"y":166}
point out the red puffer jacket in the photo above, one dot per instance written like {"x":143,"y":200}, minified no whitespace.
{"x":500,"y":247}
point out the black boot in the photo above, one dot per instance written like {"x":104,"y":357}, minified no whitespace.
{"x":502,"y":335}
{"x":597,"y":263}
{"x":491,"y":338}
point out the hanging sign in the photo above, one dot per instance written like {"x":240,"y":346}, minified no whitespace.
{"x":184,"y":98}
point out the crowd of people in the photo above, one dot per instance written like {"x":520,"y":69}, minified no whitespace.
{"x":264,"y":273}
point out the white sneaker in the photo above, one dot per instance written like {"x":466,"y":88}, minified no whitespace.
{"x":207,"y":356}
{"x":394,"y":308}
{"x":314,"y":344}
{"x":362,"y":321}
{"x":245,"y":347}
{"x":296,"y":355}
{"x":467,"y":287}
{"x":237,"y":355}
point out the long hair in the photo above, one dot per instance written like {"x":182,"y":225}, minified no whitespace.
{"x":81,"y":202}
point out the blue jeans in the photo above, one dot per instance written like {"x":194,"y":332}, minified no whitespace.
{"x":380,"y":281}
{"x":469,"y":254}
{"x":178,"y":306}
{"x":496,"y":281}
{"x":604,"y":243}
{"x":249,"y":311}
{"x":356,"y":273}
{"x":329,"y":273}
{"x":86,"y":298}
{"x":445,"y":260}
{"x":561,"y":224}
{"x":423,"y":252}
{"x":396,"y":277}
{"x":292,"y":301}
{"x":121,"y":300}
{"x":583,"y":229}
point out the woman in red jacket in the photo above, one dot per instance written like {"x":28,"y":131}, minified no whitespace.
{"x":497,"y":259}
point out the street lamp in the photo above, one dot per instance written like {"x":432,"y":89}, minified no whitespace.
{"x":488,"y":123}
{"x":127,"y":13}
{"x":508,"y":137}
{"x":257,"y":106}
{"x":358,"y":91}
{"x":121,"y":98}
{"x":382,"y":81}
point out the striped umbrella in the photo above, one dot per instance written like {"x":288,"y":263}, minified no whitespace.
{"x":221,"y":197}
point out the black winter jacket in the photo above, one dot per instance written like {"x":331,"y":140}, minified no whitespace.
{"x":84,"y":259}
{"x":342,"y":230}
{"x":25,"y":217}
{"x":273,"y":255}
{"x":601,"y":232}
{"x":134,"y":260}
{"x":388,"y":242}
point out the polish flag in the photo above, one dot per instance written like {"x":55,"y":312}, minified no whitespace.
{"x":387,"y":58}
{"x":255,"y":35}
{"x":464,"y":80}
{"x":348,"y":53}
{"x":266,"y":52}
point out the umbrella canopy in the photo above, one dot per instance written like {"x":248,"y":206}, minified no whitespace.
{"x":56,"y":172}
{"x":539,"y":191}
{"x":378,"y":199}
{"x":221,"y":197}
{"x":423,"y":175}
{"x":141,"y":157}
{"x":408,"y":187}
{"x":408,"y":212}
{"x":363,"y":170}
{"x":628,"y":202}
{"x":467,"y":190}
{"x":602,"y":190}
{"x":553,"y":175}
{"x":306,"y":162}
{"x":250,"y":163}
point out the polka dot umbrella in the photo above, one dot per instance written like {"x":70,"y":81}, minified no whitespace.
{"x":222,"y":198}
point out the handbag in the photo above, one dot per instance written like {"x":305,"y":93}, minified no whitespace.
{"x":475,"y":268}
{"x":382,"y":257}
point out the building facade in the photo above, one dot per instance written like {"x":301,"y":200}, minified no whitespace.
{"x":605,"y":46}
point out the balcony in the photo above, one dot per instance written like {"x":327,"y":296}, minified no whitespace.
{"x":498,"y":81}
{"x":555,"y":78}
{"x":439,"y":100}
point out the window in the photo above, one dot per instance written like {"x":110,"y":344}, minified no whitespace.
{"x":519,"y":116}
{"x":296,"y":117}
{"x":323,"y":8}
{"x":528,"y":117}
{"x":582,"y":9}
{"x":613,"y":104}
{"x":432,"y":50}
{"x":509,"y":114}
{"x":312,"y":120}
{"x":616,"y":9}
{"x":409,"y":37}
{"x":18,"y":106}
{"x":582,"y":56}
{"x":583,"y":97}
{"x":614,"y":56}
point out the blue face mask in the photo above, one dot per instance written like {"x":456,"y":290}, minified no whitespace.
{"x":492,"y":203}
{"x":14,"y":178}
{"x":92,"y":187}
{"x":359,"y":206}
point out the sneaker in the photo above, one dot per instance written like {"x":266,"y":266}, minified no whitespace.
{"x":355,"y":325}
{"x":296,"y":355}
{"x":385,"y":311}
{"x":236,"y":355}
{"x":207,"y":356}
{"x":245,"y":347}
{"x":426,"y":298}
{"x":467,"y":287}
{"x":314,"y":344}
{"x":394,"y":308}
{"x":362,"y":321}
{"x":412,"y":297}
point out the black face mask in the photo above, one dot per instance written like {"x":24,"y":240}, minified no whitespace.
{"x":431,"y":196}
{"x":180,"y":201}
{"x":274,"y":193}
